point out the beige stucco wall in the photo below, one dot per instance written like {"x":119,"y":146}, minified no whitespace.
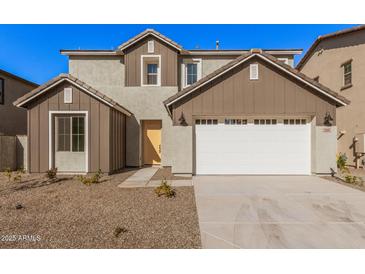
{"x":326,"y":63}
{"x":16,"y":118}
{"x":146,"y":103}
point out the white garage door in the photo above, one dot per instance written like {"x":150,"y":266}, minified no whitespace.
{"x":261,"y":147}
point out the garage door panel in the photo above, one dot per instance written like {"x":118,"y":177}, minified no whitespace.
{"x":252,"y":149}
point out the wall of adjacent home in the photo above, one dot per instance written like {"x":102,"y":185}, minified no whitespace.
{"x":326,"y":63}
{"x":98,"y":125}
{"x":16,"y":118}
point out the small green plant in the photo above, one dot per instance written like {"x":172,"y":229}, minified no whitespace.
{"x":353,"y":180}
{"x":51,"y":173}
{"x":8,"y":174}
{"x":165,"y":189}
{"x":95,"y":179}
{"x":341,"y":162}
{"x":18,"y":175}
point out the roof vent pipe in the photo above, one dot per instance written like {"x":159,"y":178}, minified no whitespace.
{"x":217,"y":45}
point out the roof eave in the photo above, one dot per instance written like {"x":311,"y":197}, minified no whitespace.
{"x":342,"y":102}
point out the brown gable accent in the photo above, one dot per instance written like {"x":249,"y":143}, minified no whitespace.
{"x":240,"y":60}
{"x":146,"y":33}
{"x":30,"y":96}
{"x":324,"y":37}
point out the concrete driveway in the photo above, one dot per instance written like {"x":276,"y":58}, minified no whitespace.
{"x":279,"y":212}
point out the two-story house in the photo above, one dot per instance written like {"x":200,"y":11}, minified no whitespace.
{"x":152,"y":102}
{"x":337,"y":60}
{"x":13,"y":120}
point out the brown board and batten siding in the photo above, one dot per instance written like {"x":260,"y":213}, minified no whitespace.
{"x":132,"y":61}
{"x":98,"y":126}
{"x":117,"y":135}
{"x":274,"y":93}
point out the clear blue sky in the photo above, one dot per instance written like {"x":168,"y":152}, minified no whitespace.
{"x":32,"y":51}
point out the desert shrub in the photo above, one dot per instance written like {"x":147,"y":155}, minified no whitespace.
{"x":118,"y":230}
{"x":354,"y":180}
{"x":8,"y":174}
{"x":165,"y":189}
{"x":95,"y":179}
{"x":51,"y":173}
{"x":18,"y":175}
{"x":341,"y":162}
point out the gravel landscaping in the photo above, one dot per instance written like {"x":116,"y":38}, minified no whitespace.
{"x":38,"y":213}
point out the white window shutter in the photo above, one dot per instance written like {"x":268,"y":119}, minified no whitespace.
{"x":67,"y":96}
{"x":254,"y":71}
{"x":151,"y":46}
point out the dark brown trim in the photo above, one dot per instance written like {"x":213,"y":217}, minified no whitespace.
{"x":346,"y":62}
{"x":2,"y":86}
{"x":346,"y":87}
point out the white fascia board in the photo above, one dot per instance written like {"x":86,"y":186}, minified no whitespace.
{"x":90,"y":53}
{"x":236,"y":52}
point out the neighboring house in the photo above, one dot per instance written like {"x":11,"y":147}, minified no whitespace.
{"x":337,"y":60}
{"x":198,"y":111}
{"x":13,"y":120}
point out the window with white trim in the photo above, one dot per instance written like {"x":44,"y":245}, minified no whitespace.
{"x":206,"y":122}
{"x":70,"y":135}
{"x":347,"y":74}
{"x":265,"y":121}
{"x":150,"y":70}
{"x":254,"y":71}
{"x":235,"y":121}
{"x":295,"y":121}
{"x":2,"y":91}
{"x":191,"y":71}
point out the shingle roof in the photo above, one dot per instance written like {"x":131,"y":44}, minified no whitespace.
{"x":242,"y":59}
{"x":73,"y":80}
{"x":18,"y":78}
{"x":324,"y":37}
{"x":146,"y":33}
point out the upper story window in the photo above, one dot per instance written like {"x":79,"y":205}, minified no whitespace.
{"x":150,"y":70}
{"x":191,"y":71}
{"x":347,"y":74}
{"x":152,"y":74}
{"x":2,"y":91}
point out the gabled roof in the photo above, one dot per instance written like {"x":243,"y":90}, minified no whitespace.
{"x":340,"y":100}
{"x":146,"y":33}
{"x":30,"y":96}
{"x":18,"y":78}
{"x":325,"y":37}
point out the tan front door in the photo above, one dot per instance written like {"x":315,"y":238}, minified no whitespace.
{"x":152,"y":142}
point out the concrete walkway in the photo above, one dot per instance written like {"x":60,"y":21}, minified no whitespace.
{"x":140,"y":178}
{"x":278,"y":212}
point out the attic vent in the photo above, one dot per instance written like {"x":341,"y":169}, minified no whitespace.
{"x":151,"y":46}
{"x":67,"y":96}
{"x":254,"y":72}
